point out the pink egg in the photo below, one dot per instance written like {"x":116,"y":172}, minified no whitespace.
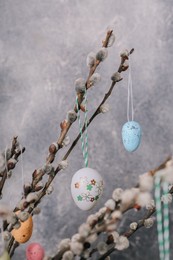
{"x":34,"y":252}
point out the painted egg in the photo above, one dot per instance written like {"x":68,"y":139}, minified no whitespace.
{"x":131,"y":135}
{"x":34,"y":252}
{"x":5,"y":256}
{"x":86,"y":188}
{"x":23,"y":234}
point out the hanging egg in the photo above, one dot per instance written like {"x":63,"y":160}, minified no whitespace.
{"x":86,"y":188}
{"x":23,"y":234}
{"x":5,"y":256}
{"x":34,"y":252}
{"x":131,"y":135}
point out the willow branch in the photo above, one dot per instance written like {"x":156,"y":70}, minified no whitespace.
{"x":66,"y":125}
{"x":97,"y":112}
{"x":92,"y":69}
{"x":14,"y":246}
{"x":64,"y":130}
{"x":54,"y":173}
{"x":51,"y":178}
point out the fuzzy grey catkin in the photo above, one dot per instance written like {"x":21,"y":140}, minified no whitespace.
{"x":80,"y":85}
{"x":102,"y":54}
{"x":91,"y":58}
{"x":95,"y":78}
{"x":71,"y":116}
{"x":116,"y":77}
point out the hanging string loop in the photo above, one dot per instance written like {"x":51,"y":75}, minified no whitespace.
{"x":130,"y":107}
{"x":83,"y":135}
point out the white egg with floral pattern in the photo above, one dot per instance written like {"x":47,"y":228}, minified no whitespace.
{"x":86,"y":188}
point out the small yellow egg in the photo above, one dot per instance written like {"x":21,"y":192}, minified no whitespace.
{"x":23,"y":234}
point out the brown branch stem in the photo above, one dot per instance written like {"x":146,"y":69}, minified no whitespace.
{"x":65,"y":130}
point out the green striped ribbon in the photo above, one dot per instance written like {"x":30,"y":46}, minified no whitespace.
{"x":162,"y":222}
{"x":84,"y":139}
{"x":166,"y":222}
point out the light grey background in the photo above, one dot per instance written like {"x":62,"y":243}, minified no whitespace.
{"x":43,"y":49}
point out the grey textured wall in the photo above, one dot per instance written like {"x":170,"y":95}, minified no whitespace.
{"x":43,"y":49}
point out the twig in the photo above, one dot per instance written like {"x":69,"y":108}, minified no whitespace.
{"x":65,"y":125}
{"x":11,"y":162}
{"x":65,"y":130}
{"x":14,"y":246}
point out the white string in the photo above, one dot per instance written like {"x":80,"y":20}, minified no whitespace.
{"x":11,"y":194}
{"x":131,"y":91}
{"x":130,"y":95}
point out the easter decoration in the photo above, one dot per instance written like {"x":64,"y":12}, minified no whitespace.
{"x":24,"y":232}
{"x":35,"y":251}
{"x":131,"y":130}
{"x":86,"y":184}
{"x":162,"y":216}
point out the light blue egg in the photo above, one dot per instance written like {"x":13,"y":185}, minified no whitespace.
{"x":131,"y":135}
